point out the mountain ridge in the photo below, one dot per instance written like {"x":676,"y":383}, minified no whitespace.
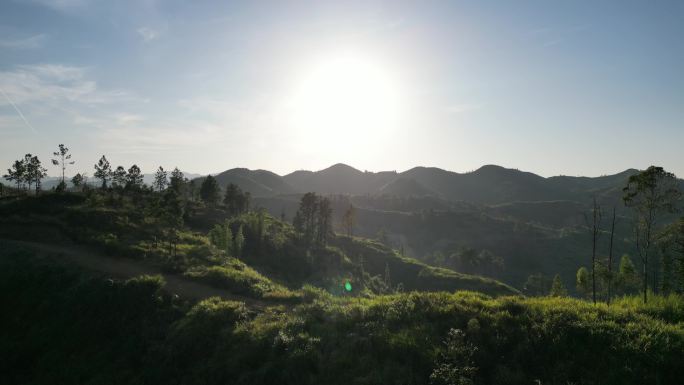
{"x":489,"y":184}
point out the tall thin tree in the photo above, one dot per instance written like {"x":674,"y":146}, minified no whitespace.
{"x":610,"y":258}
{"x":649,"y":194}
{"x":64,"y":159}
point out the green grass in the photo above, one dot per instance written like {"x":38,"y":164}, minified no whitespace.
{"x":64,"y":326}
{"x":238,"y":278}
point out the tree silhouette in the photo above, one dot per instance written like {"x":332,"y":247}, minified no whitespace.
{"x":103,"y":171}
{"x":64,"y":158}
{"x":177,"y":181}
{"x":210,"y":190}
{"x":119,"y":177}
{"x":77,"y":180}
{"x":16,"y":173}
{"x":160,"y":179}
{"x":134,"y":178}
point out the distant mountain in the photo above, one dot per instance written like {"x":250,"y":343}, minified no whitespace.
{"x":256,"y":182}
{"x":405,"y":187}
{"x":339,"y":179}
{"x":488,"y":185}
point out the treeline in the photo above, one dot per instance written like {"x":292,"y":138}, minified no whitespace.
{"x":652,"y":196}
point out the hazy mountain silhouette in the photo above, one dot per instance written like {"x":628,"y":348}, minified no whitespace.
{"x":489,"y":184}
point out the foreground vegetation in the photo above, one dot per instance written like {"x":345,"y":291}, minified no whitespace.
{"x":66,"y":326}
{"x":315,"y":307}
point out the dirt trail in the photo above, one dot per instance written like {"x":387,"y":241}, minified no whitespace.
{"x":128,"y":268}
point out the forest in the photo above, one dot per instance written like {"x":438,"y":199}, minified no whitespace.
{"x":108,"y":280}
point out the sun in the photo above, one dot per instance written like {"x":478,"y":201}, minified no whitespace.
{"x":347,"y":95}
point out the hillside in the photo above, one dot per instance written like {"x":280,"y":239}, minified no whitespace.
{"x":122,"y":230}
{"x":132,"y":331}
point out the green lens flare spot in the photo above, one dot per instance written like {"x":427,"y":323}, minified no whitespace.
{"x":347,"y":286}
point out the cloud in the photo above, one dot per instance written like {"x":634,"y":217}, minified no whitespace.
{"x":54,"y":82}
{"x":148,"y":34}
{"x":31,"y":42}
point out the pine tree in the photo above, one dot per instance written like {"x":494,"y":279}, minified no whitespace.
{"x":177,"y":181}
{"x":64,"y":158}
{"x":119,"y":177}
{"x":210,"y":190}
{"x":134,"y":178}
{"x":77,"y":180}
{"x":160,"y":179}
{"x":103,"y":171}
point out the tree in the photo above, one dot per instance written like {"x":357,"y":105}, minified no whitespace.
{"x":596,"y":215}
{"x":35,"y":171}
{"x":16,"y":173}
{"x":134,"y":178}
{"x":349,"y":219}
{"x":671,"y":245}
{"x":238,"y":242}
{"x":324,"y":221}
{"x":305,"y":219}
{"x":119,"y":177}
{"x":627,"y":278}
{"x":649,"y":194}
{"x":103,"y":171}
{"x":64,"y":158}
{"x":77,"y":180}
{"x":160,"y":179}
{"x":172,"y":216}
{"x":557,"y":288}
{"x":236,"y":201}
{"x":609,"y":276}
{"x":210,"y":190}
{"x":582,"y":281}
{"x":177,"y":181}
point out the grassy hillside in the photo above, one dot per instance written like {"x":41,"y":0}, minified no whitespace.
{"x":272,"y":258}
{"x":65,"y":326}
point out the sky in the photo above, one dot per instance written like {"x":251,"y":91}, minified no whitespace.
{"x":556,"y":88}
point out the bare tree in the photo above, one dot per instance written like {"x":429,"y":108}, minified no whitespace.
{"x":610,"y":258}
{"x":596,"y":216}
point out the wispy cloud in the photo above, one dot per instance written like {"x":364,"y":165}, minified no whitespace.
{"x":53,"y":82}
{"x":148,"y":34}
{"x":31,"y":42}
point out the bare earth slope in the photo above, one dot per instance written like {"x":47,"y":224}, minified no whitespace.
{"x":129,"y":268}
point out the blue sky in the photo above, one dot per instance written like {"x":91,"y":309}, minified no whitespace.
{"x":563,"y":87}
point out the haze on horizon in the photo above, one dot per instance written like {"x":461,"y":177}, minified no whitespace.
{"x":578,"y":88}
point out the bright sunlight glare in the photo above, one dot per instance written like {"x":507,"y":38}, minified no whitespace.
{"x":345,"y":96}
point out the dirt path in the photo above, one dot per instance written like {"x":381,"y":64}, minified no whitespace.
{"x":128,"y":268}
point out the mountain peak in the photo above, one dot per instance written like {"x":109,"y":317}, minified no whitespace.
{"x":341,"y":167}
